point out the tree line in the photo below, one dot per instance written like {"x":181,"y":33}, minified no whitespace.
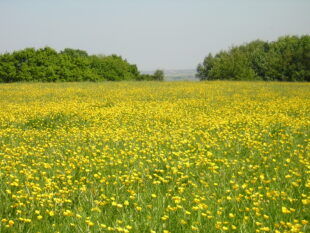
{"x":48,"y":65}
{"x":287,"y":59}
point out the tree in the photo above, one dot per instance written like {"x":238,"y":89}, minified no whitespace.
{"x":47,"y":65}
{"x":159,"y":75}
{"x":74,"y":52}
{"x":286,"y":59}
{"x":203,"y":70}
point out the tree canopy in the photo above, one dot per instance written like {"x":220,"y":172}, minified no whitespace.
{"x":287,"y":59}
{"x":48,"y":65}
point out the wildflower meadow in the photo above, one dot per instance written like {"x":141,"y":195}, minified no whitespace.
{"x":155,"y":157}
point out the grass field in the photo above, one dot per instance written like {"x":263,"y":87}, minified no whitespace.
{"x":155,"y":157}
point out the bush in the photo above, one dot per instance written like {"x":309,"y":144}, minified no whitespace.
{"x":157,"y":76}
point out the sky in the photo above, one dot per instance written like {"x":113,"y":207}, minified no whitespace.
{"x":154,"y":34}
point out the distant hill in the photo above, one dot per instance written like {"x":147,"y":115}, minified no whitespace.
{"x":177,"y":75}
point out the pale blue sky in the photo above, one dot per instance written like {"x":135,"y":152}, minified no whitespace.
{"x":166,"y":34}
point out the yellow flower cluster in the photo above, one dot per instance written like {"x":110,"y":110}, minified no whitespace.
{"x":155,"y":157}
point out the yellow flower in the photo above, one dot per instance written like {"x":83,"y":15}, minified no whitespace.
{"x":285,"y":210}
{"x":68,"y":213}
{"x":11,"y":222}
{"x":89,"y":223}
{"x":183,"y":222}
{"x":194,"y":228}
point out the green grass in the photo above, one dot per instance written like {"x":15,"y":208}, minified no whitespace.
{"x":154,"y":157}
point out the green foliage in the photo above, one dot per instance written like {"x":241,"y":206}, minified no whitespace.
{"x":159,"y":75}
{"x":114,"y":68}
{"x":204,"y":68}
{"x":47,"y":65}
{"x":287,"y":59}
{"x":145,"y":77}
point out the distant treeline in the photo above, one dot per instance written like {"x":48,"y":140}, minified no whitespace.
{"x":287,"y":59}
{"x":48,"y":65}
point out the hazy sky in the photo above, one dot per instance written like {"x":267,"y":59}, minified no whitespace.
{"x":166,"y":34}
